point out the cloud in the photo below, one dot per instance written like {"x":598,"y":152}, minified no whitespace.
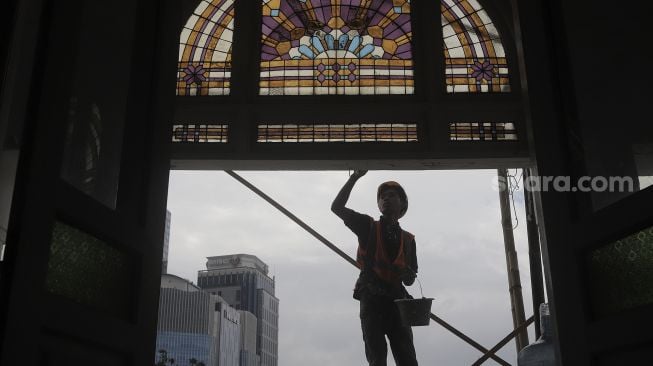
{"x":454,"y":215}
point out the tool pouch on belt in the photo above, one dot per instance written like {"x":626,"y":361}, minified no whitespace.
{"x":368,"y":282}
{"x":365,"y":283}
{"x":358,"y":287}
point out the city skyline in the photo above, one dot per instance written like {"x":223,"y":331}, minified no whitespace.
{"x":243,"y":281}
{"x":240,"y":281}
{"x":195,"y":326}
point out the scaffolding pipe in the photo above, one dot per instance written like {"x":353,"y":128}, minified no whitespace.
{"x":346,"y":257}
{"x":514,"y":282}
{"x":504,"y":341}
{"x":534,"y":254}
{"x":291,"y":216}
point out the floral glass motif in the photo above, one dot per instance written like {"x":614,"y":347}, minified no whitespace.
{"x":205,"y":49}
{"x":475,"y":60}
{"x":336,"y":47}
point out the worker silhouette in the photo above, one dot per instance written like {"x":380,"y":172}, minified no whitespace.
{"x":386,"y":257}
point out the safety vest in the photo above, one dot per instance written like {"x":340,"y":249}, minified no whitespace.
{"x":377,"y":260}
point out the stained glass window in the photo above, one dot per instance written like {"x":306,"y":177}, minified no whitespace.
{"x":205,"y":49}
{"x":336,"y":47}
{"x":357,"y":132}
{"x":482,"y":131}
{"x":200,"y":133}
{"x":475,"y":60}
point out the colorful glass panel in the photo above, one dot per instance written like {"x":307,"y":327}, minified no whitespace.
{"x":482,"y":131}
{"x":359,"y":132}
{"x":200,"y":133}
{"x":205,"y":49}
{"x":336,"y":47}
{"x":475,"y":60}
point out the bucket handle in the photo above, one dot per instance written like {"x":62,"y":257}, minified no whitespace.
{"x":418,"y":282}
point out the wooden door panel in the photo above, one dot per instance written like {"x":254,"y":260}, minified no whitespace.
{"x":85,"y":239}
{"x":596,"y":246}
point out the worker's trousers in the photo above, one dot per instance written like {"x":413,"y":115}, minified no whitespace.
{"x":380,"y":317}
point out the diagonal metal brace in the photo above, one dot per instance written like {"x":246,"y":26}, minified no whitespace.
{"x":504,"y":341}
{"x":291,"y":216}
{"x":349,"y":259}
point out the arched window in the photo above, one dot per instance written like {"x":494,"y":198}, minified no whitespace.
{"x":334,"y":47}
{"x":205,"y":49}
{"x":349,"y":50}
{"x":475,"y":59}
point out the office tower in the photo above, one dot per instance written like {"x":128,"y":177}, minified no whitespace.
{"x":194,"y":324}
{"x":166,"y":244}
{"x":229,"y":335}
{"x":242,"y":281}
{"x":248,"y":329}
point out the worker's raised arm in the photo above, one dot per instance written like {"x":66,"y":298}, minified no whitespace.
{"x":338,"y":205}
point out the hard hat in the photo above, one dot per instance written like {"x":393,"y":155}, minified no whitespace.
{"x":400,"y":190}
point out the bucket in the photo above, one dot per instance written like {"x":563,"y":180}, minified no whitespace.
{"x":414,"y":312}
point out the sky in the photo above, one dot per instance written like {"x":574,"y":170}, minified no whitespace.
{"x":454,"y":216}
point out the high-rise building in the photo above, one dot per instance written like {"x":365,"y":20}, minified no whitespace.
{"x":229,"y":335}
{"x":166,"y":244}
{"x":194,"y":324}
{"x":243,"y":281}
{"x":248,"y":329}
